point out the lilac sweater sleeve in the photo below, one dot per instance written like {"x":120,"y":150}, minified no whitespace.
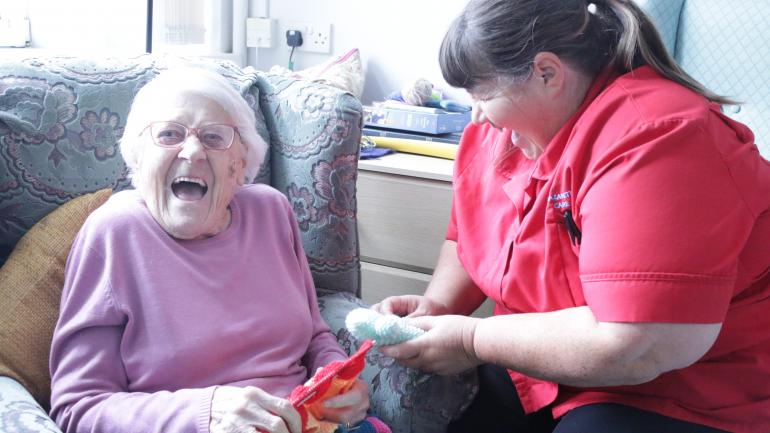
{"x":89,"y":383}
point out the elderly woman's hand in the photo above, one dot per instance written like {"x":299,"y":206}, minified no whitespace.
{"x":242,"y":410}
{"x":348,"y":408}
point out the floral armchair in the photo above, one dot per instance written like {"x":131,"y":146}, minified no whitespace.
{"x":60,"y":122}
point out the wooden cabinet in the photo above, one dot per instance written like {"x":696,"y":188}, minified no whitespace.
{"x":404,"y":203}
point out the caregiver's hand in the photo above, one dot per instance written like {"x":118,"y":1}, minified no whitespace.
{"x":410,"y":306}
{"x":447,"y":347}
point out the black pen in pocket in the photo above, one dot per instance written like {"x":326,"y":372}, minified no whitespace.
{"x":574,"y":232}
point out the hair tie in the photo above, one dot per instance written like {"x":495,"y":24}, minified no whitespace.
{"x":592,"y":8}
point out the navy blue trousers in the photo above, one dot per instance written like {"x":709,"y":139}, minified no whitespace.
{"x":497,"y":409}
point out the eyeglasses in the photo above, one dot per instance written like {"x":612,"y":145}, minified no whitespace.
{"x":171,"y":134}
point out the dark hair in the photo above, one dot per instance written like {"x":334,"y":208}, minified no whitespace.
{"x":500,"y":38}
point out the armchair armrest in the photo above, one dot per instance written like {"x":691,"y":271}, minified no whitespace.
{"x":407,"y":400}
{"x":19,"y":412}
{"x":314,"y":133}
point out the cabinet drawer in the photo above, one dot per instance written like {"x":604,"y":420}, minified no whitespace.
{"x":402,"y":220}
{"x":379,"y":282}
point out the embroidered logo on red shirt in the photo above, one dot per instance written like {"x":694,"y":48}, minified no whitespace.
{"x":560,"y":200}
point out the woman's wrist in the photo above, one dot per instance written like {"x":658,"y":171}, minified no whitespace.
{"x":469,"y":340}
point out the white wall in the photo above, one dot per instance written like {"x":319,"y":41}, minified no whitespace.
{"x":398,"y":39}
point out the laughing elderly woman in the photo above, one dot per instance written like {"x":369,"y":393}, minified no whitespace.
{"x":188,"y":304}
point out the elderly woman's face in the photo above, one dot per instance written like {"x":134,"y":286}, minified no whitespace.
{"x":188,"y":188}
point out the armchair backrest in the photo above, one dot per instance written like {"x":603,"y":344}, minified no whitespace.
{"x":726,"y":46}
{"x":61,"y":119}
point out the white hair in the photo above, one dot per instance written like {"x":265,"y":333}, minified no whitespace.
{"x":200,"y":82}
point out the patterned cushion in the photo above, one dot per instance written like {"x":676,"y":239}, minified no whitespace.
{"x":407,"y":400}
{"x":19,"y":413}
{"x":315,"y":134}
{"x":344,"y":72}
{"x":61,"y":119}
{"x":60,"y":122}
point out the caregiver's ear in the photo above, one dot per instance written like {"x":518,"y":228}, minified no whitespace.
{"x":548,"y":69}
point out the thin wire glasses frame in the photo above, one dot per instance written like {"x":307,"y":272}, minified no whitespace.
{"x":170,"y":134}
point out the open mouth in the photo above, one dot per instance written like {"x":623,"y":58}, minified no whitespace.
{"x":189,"y":188}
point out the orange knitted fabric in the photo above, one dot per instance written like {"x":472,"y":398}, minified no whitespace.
{"x":334,"y":379}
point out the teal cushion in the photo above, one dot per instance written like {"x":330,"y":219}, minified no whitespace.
{"x":724,"y":45}
{"x":60,"y":122}
{"x":665,"y":16}
{"x":61,"y":119}
{"x":315,"y":132}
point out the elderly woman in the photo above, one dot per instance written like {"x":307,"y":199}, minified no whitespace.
{"x":188,"y":304}
{"x":617,"y":218}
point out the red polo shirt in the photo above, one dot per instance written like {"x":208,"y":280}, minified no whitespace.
{"x":672,"y":201}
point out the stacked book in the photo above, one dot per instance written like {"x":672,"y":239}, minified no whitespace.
{"x":412,"y":118}
{"x":450,"y":137}
{"x":421,"y":130}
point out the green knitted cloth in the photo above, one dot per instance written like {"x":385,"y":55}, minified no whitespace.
{"x":383,"y":329}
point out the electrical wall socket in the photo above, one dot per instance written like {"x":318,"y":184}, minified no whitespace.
{"x":316,"y":37}
{"x":14,"y":32}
